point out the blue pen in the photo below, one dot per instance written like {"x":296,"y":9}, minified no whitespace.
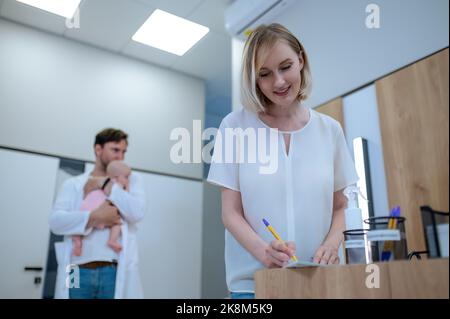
{"x":387,"y":249}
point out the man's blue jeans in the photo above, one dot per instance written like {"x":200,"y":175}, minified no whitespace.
{"x":98,"y":283}
{"x":242,"y":295}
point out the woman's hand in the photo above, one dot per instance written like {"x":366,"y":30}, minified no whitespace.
{"x":278,"y":253}
{"x":326,"y":254}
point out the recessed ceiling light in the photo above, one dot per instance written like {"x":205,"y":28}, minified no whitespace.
{"x":169,"y":32}
{"x":65,"y":8}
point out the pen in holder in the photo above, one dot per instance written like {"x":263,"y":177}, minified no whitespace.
{"x":388,"y":233}
{"x":388,"y":244}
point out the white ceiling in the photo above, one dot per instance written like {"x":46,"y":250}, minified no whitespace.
{"x":110,"y":24}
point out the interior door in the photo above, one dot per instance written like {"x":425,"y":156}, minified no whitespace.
{"x":27,"y":185}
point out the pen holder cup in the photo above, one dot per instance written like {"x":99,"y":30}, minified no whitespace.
{"x":387,"y":234}
{"x":358,"y":249}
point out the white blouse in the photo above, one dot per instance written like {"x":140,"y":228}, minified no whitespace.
{"x":296,"y":199}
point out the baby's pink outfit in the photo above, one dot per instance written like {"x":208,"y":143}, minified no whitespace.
{"x":92,"y":201}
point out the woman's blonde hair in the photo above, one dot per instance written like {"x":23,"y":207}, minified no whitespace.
{"x":265,"y":37}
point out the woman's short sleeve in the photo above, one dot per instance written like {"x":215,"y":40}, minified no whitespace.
{"x":344,"y":167}
{"x":223,"y":172}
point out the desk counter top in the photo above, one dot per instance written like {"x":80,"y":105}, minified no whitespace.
{"x":426,"y":278}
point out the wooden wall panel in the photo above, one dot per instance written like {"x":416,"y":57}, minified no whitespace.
{"x":333,"y":109}
{"x":413,"y":109}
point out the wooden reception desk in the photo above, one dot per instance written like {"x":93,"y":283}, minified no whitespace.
{"x":397,"y":279}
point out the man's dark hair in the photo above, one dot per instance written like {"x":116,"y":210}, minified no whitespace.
{"x":110,"y":135}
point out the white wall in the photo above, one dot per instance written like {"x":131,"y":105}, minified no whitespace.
{"x":170,"y":238}
{"x":213,"y":245}
{"x":361,"y":120}
{"x":56,"y":94}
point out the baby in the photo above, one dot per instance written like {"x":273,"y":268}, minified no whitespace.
{"x":118,"y":172}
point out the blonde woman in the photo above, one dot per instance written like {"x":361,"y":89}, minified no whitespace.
{"x":302,"y":199}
